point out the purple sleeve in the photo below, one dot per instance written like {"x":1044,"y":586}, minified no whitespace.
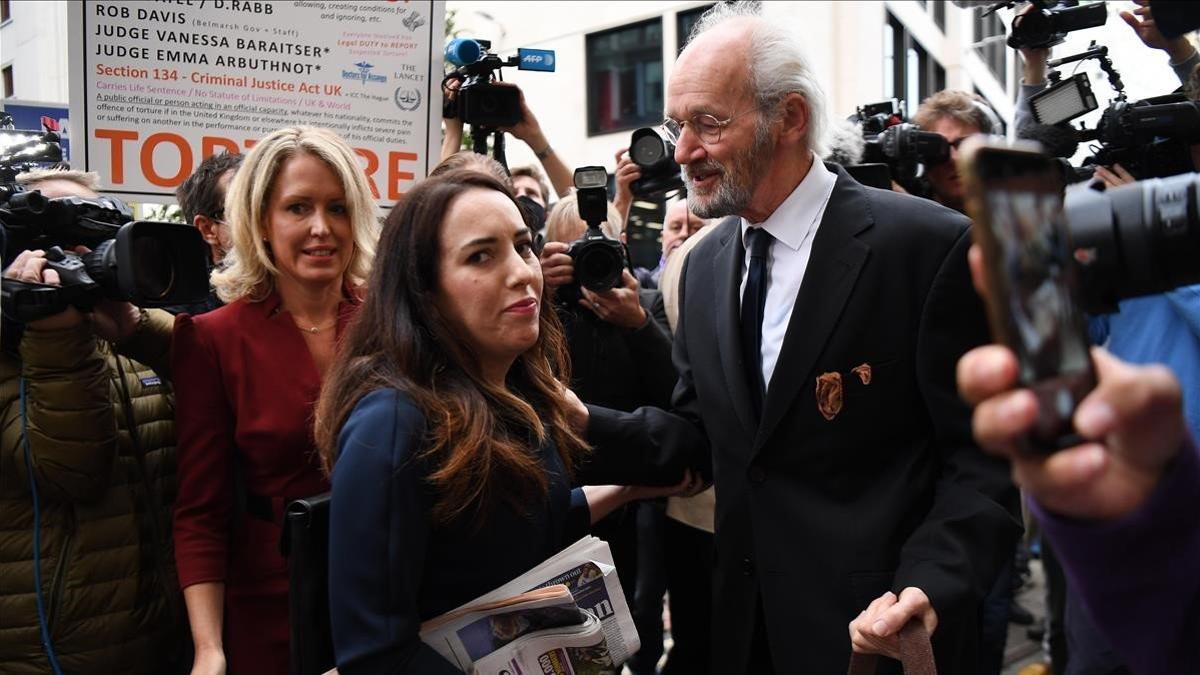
{"x":1140,"y":576}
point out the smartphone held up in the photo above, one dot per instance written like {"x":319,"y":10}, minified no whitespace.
{"x":1014,"y":197}
{"x":1049,"y":262}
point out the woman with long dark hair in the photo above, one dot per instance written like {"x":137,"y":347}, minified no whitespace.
{"x":445,"y":423}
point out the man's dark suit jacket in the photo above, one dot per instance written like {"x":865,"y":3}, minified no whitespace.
{"x":817,"y":517}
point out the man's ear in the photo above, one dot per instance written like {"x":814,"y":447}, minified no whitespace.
{"x":796,"y":117}
{"x":208,"y":229}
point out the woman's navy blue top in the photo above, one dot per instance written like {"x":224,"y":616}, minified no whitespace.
{"x":391,"y":567}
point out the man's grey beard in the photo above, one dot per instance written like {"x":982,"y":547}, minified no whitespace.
{"x":736,"y":186}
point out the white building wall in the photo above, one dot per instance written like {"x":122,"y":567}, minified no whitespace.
{"x":32,"y":42}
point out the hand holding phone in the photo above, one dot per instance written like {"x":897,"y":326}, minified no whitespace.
{"x":1014,"y":197}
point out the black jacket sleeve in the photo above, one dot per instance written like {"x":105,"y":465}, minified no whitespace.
{"x":657,"y":308}
{"x":650,"y":347}
{"x":975,"y":505}
{"x":651,"y":446}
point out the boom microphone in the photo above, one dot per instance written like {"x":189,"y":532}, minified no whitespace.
{"x":845,"y":143}
{"x":1056,"y":140}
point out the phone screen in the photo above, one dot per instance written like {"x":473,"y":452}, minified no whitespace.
{"x":1027,"y":255}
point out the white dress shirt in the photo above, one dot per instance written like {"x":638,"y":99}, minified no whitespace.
{"x":793,"y":226}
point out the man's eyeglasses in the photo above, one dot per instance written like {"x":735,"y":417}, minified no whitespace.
{"x":705,"y":126}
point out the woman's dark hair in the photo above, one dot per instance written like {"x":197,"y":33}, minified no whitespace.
{"x":478,"y":435}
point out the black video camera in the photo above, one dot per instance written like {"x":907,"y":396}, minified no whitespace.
{"x":150,"y":264}
{"x":22,"y":151}
{"x":1048,"y":23}
{"x":1151,"y":138}
{"x":654,"y":154}
{"x":899,"y":145}
{"x":480,"y":101}
{"x":598,"y":260}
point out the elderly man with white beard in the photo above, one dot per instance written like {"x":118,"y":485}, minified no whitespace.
{"x":819,"y":327}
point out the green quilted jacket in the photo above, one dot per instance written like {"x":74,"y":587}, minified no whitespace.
{"x":109,"y":589}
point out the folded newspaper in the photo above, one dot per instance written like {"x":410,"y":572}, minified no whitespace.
{"x":567,"y":616}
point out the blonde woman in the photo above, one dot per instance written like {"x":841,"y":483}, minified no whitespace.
{"x":247,"y":376}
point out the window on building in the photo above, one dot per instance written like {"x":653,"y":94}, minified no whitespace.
{"x":5,"y":10}
{"x":685,"y":21}
{"x":989,"y":44}
{"x":936,"y":9}
{"x":889,"y":59}
{"x":625,"y":77}
{"x":8,"y":82}
{"x":643,"y":232}
{"x":910,"y":73}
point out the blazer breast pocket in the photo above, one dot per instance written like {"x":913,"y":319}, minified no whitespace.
{"x":849,"y":392}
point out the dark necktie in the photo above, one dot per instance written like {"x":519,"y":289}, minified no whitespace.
{"x":754,"y":299}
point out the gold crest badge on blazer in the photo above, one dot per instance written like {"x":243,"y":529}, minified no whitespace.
{"x":830,"y":391}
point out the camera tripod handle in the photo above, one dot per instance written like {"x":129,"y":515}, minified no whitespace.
{"x":1093,"y":51}
{"x":1100,"y":53}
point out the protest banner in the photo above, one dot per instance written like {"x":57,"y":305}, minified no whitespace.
{"x":158,"y":86}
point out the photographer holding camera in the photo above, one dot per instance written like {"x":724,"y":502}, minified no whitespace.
{"x":1162,"y":328}
{"x":202,"y":199}
{"x":528,"y":130}
{"x":956,"y":115}
{"x":1182,"y":57}
{"x":87,"y":481}
{"x":620,"y":356}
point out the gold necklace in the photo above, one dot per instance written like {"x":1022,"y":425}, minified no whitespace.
{"x":313,"y":330}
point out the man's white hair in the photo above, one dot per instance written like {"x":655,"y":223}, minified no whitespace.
{"x":778,"y":66}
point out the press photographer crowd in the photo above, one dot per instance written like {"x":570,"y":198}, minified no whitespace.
{"x":877,"y":362}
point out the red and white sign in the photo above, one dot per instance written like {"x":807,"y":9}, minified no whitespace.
{"x":158,"y":86}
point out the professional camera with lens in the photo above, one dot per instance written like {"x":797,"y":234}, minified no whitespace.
{"x":598,"y":260}
{"x":1048,"y":23}
{"x":891,"y":142}
{"x":22,"y":151}
{"x":654,"y":154}
{"x":150,"y":264}
{"x":1151,"y":138}
{"x":1133,"y":240}
{"x":480,"y":101}
{"x":1137,"y":239}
